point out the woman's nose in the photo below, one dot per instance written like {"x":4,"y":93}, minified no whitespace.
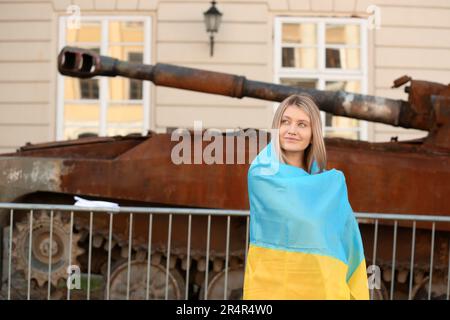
{"x":292,"y":130}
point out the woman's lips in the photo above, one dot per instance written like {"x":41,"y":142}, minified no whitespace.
{"x":291,"y":140}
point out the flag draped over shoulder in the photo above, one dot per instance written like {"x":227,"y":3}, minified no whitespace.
{"x":305,"y":242}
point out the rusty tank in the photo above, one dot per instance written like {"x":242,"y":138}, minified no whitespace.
{"x":403,"y":177}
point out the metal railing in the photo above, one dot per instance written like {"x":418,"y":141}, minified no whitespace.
{"x":31,"y":242}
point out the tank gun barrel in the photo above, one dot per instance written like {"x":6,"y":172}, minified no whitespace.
{"x":82,"y":63}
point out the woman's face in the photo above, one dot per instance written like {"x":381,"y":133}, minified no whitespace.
{"x":295,"y":129}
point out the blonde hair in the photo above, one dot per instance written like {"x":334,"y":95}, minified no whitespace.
{"x":316,"y":150}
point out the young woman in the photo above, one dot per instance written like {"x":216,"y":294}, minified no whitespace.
{"x":304,"y":239}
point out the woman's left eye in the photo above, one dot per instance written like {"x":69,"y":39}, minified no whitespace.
{"x":302,"y":125}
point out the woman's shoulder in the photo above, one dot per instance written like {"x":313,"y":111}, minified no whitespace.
{"x":335,"y":177}
{"x":265,"y":163}
{"x":336,"y":172}
{"x":339,"y":173}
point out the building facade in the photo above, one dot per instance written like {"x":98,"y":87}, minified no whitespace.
{"x":353,"y":45}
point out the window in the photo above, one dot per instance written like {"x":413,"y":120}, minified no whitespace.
{"x":89,"y":89}
{"x":102,"y":105}
{"x":324,"y":54}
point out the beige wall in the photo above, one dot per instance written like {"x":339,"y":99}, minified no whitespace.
{"x":26,"y":80}
{"x":414,"y":39}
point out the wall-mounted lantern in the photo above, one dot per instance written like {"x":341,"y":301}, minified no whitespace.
{"x":212,"y":21}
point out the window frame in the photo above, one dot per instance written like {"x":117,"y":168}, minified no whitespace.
{"x":322,"y":74}
{"x":104,"y":99}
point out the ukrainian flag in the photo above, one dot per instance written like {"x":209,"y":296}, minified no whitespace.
{"x":304,"y":239}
